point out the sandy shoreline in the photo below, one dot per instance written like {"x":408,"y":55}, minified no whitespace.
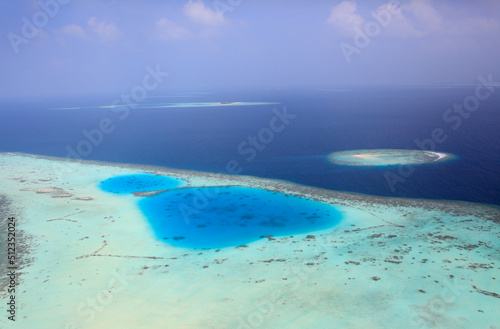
{"x":440,"y":155}
{"x":388,"y":157}
{"x":390,"y":263}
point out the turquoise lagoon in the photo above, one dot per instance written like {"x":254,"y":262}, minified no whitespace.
{"x":139,"y":183}
{"x":218,"y":217}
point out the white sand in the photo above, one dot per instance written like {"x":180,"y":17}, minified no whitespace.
{"x":387,"y":157}
{"x":439,"y":155}
{"x":390,"y":263}
{"x":170,"y":105}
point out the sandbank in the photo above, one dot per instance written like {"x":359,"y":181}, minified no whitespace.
{"x":168,"y":105}
{"x":387,"y":157}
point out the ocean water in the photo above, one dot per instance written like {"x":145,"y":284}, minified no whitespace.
{"x":127,"y":184}
{"x":318,"y":122}
{"x":232,"y":216}
{"x":217,"y":217}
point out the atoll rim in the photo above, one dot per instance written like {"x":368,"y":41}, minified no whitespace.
{"x":387,"y":157}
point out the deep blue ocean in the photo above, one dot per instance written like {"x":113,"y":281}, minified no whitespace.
{"x":319,"y":122}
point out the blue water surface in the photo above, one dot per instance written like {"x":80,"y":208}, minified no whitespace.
{"x":139,"y":183}
{"x":324,"y":121}
{"x":216,"y":217}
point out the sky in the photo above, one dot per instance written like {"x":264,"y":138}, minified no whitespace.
{"x":87,"y":47}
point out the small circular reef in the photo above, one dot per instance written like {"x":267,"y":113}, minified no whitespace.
{"x":387,"y":157}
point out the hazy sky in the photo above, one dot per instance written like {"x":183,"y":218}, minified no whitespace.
{"x":62,"y":47}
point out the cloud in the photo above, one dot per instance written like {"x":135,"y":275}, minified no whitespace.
{"x":343,"y":16}
{"x":75,"y":31}
{"x":413,"y":19}
{"x":429,"y":21}
{"x":425,"y":15}
{"x":199,"y":13}
{"x":105,"y":31}
{"x":398,"y":25}
{"x":168,"y":30}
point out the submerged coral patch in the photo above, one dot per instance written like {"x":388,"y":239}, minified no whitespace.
{"x":216,"y":217}
{"x":139,"y":183}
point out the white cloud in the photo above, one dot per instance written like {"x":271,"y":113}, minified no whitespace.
{"x":198,"y":12}
{"x":343,"y":16}
{"x":105,"y":31}
{"x":74,"y":31}
{"x":168,"y":30}
{"x":430,"y":21}
{"x":425,"y":15}
{"x":397,"y":24}
{"x":415,"y":18}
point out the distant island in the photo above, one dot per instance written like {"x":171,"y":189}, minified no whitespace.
{"x":388,"y":157}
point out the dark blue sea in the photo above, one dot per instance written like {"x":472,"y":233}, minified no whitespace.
{"x":269,"y":141}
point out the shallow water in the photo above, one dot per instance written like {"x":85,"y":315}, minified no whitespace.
{"x":138,"y":183}
{"x":216,"y":217}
